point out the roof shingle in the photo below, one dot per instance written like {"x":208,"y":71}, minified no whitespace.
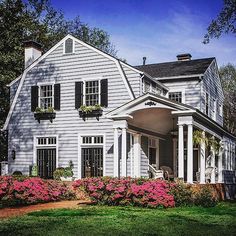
{"x":176,"y":68}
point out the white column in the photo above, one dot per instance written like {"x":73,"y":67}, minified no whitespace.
{"x":137,"y":155}
{"x":181,"y":152}
{"x":124,"y":153}
{"x":202,"y":160}
{"x":213,"y":160}
{"x":190,"y":154}
{"x":226,"y":155}
{"x":116,"y":153}
{"x":220,"y":166}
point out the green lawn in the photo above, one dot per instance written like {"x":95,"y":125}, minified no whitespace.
{"x":103,"y":220}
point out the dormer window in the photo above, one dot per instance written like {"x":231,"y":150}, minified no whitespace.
{"x":69,"y":46}
{"x":176,"y":96}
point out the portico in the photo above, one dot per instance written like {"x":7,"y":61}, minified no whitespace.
{"x":134,"y":131}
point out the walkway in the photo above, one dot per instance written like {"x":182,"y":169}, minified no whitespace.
{"x":18,"y":211}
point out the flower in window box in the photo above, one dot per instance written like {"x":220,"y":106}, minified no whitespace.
{"x":44,"y":114}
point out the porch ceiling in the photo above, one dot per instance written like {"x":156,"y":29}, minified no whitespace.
{"x":159,"y":120}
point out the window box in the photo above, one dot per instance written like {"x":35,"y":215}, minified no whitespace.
{"x":94,"y":113}
{"x":45,"y":116}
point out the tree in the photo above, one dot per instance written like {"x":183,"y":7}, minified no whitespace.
{"x":228,"y":78}
{"x":22,"y":20}
{"x":224,"y":23}
{"x":36,"y":19}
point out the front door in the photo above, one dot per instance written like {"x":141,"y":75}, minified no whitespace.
{"x":46,"y":162}
{"x":92,"y":162}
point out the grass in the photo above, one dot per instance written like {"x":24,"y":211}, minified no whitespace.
{"x":104,"y":220}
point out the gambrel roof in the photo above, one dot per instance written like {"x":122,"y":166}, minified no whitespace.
{"x":177,"y":68}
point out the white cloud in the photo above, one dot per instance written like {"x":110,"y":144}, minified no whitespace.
{"x":163,"y":40}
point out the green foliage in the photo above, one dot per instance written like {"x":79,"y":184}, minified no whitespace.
{"x":204,"y":198}
{"x":182,"y":194}
{"x":41,"y":110}
{"x":62,"y":172}
{"x":212,"y":142}
{"x":22,"y":20}
{"x":228,"y":79}
{"x":225,"y":22}
{"x":88,"y":109}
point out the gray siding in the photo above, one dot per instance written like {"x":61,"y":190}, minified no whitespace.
{"x":191,"y":89}
{"x":134,"y":80}
{"x":211,"y":84}
{"x":65,"y":69}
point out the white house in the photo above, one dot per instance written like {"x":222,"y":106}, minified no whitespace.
{"x":148,"y":117}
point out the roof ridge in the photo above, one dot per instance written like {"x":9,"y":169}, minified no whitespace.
{"x":167,"y":62}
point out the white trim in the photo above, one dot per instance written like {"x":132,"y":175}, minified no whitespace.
{"x":46,"y":54}
{"x":39,"y":90}
{"x":35,"y":146}
{"x":124,"y":80}
{"x":132,"y":68}
{"x":14,"y":81}
{"x":157,"y":98}
{"x":89,"y":79}
{"x":176,"y":90}
{"x":80,"y":145}
{"x":179,"y":77}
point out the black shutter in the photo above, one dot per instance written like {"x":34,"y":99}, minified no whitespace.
{"x":104,"y":92}
{"x":57,"y":96}
{"x":34,"y":97}
{"x":78,"y":94}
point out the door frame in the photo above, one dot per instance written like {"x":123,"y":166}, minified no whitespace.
{"x":81,"y":145}
{"x":36,"y":146}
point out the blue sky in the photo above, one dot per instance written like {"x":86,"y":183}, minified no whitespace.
{"x":157,"y":29}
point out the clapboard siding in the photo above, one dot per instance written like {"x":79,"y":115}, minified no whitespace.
{"x":191,"y":89}
{"x":211,"y":84}
{"x":134,"y":80}
{"x":65,"y":70}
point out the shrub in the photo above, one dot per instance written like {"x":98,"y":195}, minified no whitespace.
{"x":17,"y":173}
{"x":127,"y":191}
{"x":203,"y":196}
{"x":182,"y":193}
{"x":31,"y":191}
{"x":62,"y":172}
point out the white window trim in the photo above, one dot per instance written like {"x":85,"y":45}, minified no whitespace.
{"x":209,"y":104}
{"x":36,"y":146}
{"x":80,"y":145}
{"x":182,"y":91}
{"x":89,"y":79}
{"x":221,"y":110}
{"x":73,"y":47}
{"x":39,"y":84}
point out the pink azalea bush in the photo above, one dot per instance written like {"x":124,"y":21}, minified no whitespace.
{"x":31,"y":191}
{"x":127,"y":191}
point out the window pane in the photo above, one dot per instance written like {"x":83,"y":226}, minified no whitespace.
{"x":91,"y":93}
{"x":176,"y":96}
{"x":46,"y":96}
{"x":69,"y":46}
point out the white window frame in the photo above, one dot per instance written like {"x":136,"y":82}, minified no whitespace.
{"x":95,"y":145}
{"x":221,"y":110}
{"x":207,"y":102}
{"x":214,"y":108}
{"x":45,"y":146}
{"x":182,"y":91}
{"x":73,"y":47}
{"x":89,"y":79}
{"x":39,"y":90}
